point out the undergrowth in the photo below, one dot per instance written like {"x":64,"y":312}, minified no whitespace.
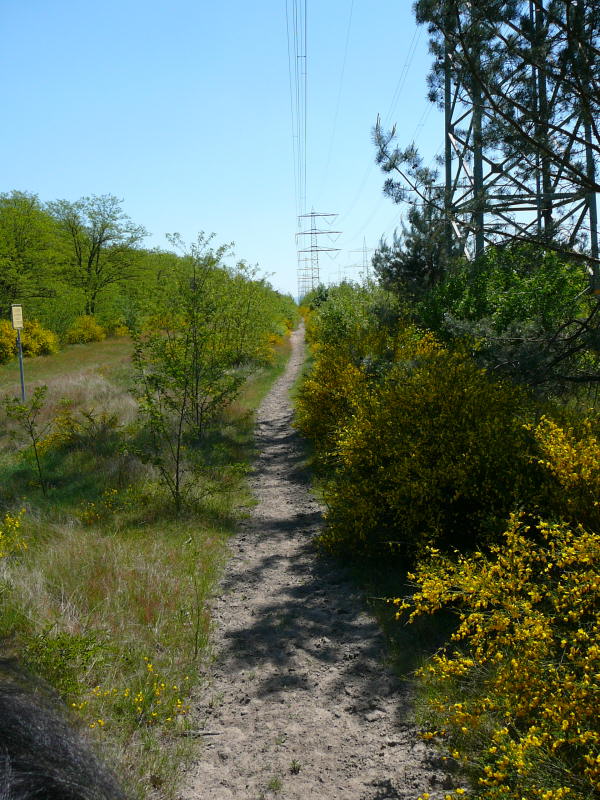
{"x":103,"y":593}
{"x":488,"y":492}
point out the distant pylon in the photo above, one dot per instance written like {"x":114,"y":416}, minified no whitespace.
{"x":308,"y":257}
{"x":365,"y":267}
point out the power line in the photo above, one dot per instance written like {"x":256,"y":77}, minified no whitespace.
{"x":291,"y":87}
{"x":404,"y":72}
{"x":339,"y":97}
{"x":297,"y":32}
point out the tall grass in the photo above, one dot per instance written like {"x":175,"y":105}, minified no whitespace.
{"x":109,"y":603}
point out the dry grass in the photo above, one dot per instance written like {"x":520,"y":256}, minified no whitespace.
{"x":109,"y":603}
{"x":108,"y":357}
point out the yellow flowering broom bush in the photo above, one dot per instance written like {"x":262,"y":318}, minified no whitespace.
{"x":571,"y":463}
{"x":515,"y":696}
{"x":85,"y":329}
{"x":38,"y":341}
{"x":435,"y":453}
{"x":327,"y":397}
{"x":352,"y":343}
{"x":8,"y":341}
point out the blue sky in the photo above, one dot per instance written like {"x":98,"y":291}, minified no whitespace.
{"x":183,"y":110}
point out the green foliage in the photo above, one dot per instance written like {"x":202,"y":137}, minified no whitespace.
{"x":523,"y":309}
{"x":415,"y":260}
{"x":358,"y":321}
{"x":351,"y":333}
{"x":28,"y":250}
{"x":8,"y":341}
{"x":28,"y":416}
{"x":435,"y":453}
{"x":85,"y":329}
{"x":100,"y":243}
{"x":508,"y":286}
{"x":64,"y":659}
{"x":69,"y":258}
{"x":217,"y":324}
{"x":316,"y":297}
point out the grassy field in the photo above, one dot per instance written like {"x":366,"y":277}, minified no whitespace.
{"x":110,"y":357}
{"x":105,"y":592}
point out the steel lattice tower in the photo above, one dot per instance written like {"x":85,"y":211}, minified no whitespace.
{"x":308,"y":257}
{"x":489,"y":193}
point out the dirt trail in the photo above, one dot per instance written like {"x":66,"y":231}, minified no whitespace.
{"x":299,"y":704}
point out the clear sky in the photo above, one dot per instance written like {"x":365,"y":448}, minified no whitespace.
{"x":182,"y":108}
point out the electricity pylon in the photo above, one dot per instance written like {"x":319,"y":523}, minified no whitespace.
{"x":491,"y":192}
{"x":308,"y":257}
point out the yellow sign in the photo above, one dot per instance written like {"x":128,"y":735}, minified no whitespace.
{"x":16,"y":313}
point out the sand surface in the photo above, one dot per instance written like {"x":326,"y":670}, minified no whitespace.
{"x":299,"y":703}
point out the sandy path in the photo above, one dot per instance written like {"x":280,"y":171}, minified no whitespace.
{"x":299,"y":704}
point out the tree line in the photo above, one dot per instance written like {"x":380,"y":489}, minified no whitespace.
{"x":64,"y":259}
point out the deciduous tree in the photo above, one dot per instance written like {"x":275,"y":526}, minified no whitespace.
{"x":101,"y":244}
{"x":27,"y":249}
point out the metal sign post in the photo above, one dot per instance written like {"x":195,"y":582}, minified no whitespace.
{"x":16,"y":313}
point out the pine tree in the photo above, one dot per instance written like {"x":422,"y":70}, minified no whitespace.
{"x":529,"y":71}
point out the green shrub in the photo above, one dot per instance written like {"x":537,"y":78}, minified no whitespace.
{"x":8,"y":341}
{"x":351,"y":330}
{"x":509,"y":286}
{"x":85,"y":329}
{"x":38,"y":341}
{"x":521,"y":307}
{"x":327,"y":397}
{"x":436,"y":453}
{"x":358,"y":322}
{"x":64,"y":659}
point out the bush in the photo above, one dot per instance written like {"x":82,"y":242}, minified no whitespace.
{"x":38,"y":341}
{"x":436,"y":453}
{"x":11,"y":538}
{"x":121,"y":330}
{"x":571,"y":463}
{"x":64,"y":659}
{"x":8,"y":341}
{"x":522,"y":308}
{"x":515,"y":699}
{"x":327,"y":397}
{"x":114,"y":325}
{"x":85,"y":329}
{"x":509,"y":286}
{"x":357,"y":321}
{"x":35,"y":340}
{"x":351,"y":329}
